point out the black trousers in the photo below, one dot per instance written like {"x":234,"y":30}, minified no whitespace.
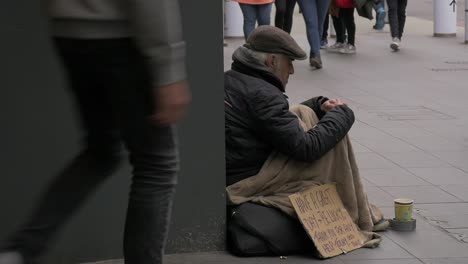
{"x":284,"y":14}
{"x":345,"y":24}
{"x":397,"y":17}
{"x":326,"y":25}
{"x":111,"y":84}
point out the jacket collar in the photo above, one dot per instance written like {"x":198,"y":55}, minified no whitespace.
{"x":244,"y":62}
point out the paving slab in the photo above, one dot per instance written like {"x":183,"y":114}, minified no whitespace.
{"x":416,"y":159}
{"x":383,"y":261}
{"x":388,"y":249}
{"x":421,"y":194}
{"x":457,"y":190}
{"x":392,"y":177}
{"x":446,"y":261}
{"x":372,"y":160}
{"x":441,"y":176}
{"x":428,"y":241}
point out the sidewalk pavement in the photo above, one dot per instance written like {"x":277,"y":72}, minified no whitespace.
{"x":411,"y":138}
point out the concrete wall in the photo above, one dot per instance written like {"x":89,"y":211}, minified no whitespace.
{"x":39,"y":134}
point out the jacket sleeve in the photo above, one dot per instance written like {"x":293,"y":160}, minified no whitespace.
{"x":282,"y":129}
{"x":157,"y":27}
{"x":316,"y":103}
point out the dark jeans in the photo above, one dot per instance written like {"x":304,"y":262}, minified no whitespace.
{"x":326,"y":24}
{"x":253,"y":14}
{"x":397,"y":17}
{"x":314,"y":13}
{"x":284,"y":14}
{"x":345,"y":24}
{"x":111,"y":84}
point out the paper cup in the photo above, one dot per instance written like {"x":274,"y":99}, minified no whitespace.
{"x":403,"y":210}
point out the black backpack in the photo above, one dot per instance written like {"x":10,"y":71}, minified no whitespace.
{"x":257,"y":230}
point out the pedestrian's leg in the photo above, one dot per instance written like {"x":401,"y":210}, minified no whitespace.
{"x":347,"y":15}
{"x":96,"y":162}
{"x":288,"y":19}
{"x":155,"y":162}
{"x":394,"y":23}
{"x":264,"y":14}
{"x":280,"y":14}
{"x":309,"y":12}
{"x":401,"y":17}
{"x":250,"y":18}
{"x":154,"y":157}
{"x":339,"y":29}
{"x":324,"y":41}
{"x":378,"y":4}
{"x":379,"y":14}
{"x":322,"y":13}
{"x":340,"y":35}
{"x":393,"y":18}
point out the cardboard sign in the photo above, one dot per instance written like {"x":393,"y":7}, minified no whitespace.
{"x":326,"y":220}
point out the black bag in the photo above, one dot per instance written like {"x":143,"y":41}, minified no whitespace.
{"x":257,"y":230}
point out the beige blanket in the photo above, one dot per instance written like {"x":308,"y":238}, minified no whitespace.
{"x":281,"y":176}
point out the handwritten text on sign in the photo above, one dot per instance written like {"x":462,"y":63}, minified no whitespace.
{"x":326,"y":220}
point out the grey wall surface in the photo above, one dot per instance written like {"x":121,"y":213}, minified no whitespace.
{"x":39,"y":135}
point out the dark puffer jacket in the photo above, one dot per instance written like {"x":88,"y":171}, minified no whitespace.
{"x":258,"y":121}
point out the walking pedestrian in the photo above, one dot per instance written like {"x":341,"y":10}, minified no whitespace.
{"x":126,"y":67}
{"x":397,"y":20}
{"x":255,"y":12}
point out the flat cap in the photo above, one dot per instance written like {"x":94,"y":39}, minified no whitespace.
{"x":271,"y":39}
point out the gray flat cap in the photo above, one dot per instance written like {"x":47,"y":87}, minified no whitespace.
{"x":271,"y":39}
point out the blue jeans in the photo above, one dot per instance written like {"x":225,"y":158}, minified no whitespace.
{"x":253,"y":14}
{"x":112,"y":87}
{"x":314,"y":12}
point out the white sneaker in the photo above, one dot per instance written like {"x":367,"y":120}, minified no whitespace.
{"x":348,"y":49}
{"x":335,"y":48}
{"x":395,"y":45}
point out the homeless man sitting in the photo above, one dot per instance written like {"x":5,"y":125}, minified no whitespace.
{"x":273,"y":150}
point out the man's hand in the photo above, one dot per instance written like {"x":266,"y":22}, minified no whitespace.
{"x":328,"y":105}
{"x":171,"y":102}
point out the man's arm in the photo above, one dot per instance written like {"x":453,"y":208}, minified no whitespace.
{"x":158,"y":31}
{"x":281,"y":127}
{"x":157,"y":28}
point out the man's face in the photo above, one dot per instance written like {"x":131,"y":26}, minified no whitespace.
{"x":281,"y":66}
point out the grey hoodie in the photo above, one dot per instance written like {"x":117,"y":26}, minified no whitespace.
{"x":154,"y":24}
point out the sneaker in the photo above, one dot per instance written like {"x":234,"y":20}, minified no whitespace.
{"x":335,"y":48}
{"x":380,"y":19}
{"x":323,"y":44}
{"x":348,"y":49}
{"x":395,"y":45}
